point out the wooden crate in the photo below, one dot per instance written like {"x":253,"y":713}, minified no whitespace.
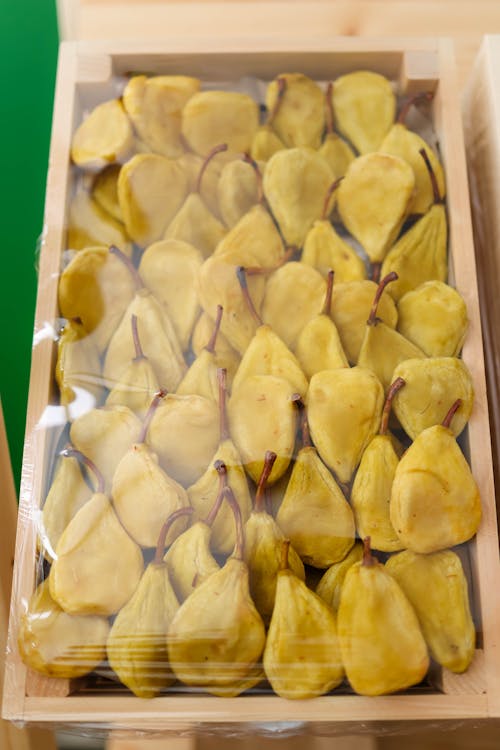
{"x":85,"y":72}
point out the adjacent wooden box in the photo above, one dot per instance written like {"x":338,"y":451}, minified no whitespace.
{"x":85,"y":72}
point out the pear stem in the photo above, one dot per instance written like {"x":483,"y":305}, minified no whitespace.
{"x":328,"y":296}
{"x":239,"y":546}
{"x":149,"y":415}
{"x":393,"y":389}
{"x":376,"y":268}
{"x":423,"y":96}
{"x":242,"y":279}
{"x":258,"y":175}
{"x":221,"y":469}
{"x":392,"y":276}
{"x":330,"y":119}
{"x":329,"y":193}
{"x":128,"y":264}
{"x":281,"y":83}
{"x":435,"y":186}
{"x":210,"y":347}
{"x":451,"y":413}
{"x":206,"y":161}
{"x":304,"y":424}
{"x":223,"y":423}
{"x":260,"y":495}
{"x":139,"y":353}
{"x":160,"y":547}
{"x":285,"y":547}
{"x":368,"y":559}
{"x":86,"y":461}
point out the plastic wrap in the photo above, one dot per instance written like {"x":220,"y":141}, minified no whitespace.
{"x":250,"y":480}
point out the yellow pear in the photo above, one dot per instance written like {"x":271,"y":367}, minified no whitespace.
{"x":330,"y":585}
{"x":436,"y":586}
{"x":265,"y":142}
{"x":105,"y":136}
{"x":213,"y":117}
{"x":201,"y":378}
{"x":253,"y":241}
{"x":57,"y":644}
{"x":302,"y":655}
{"x":238,"y":190}
{"x":299,"y":119}
{"x":78,"y":364}
{"x":435,"y":504}
{"x":381,"y":643}
{"x":225,"y":356}
{"x":90,"y":225}
{"x":105,"y":191}
{"x":191,"y":164}
{"x":324,"y":249}
{"x":334,"y":150}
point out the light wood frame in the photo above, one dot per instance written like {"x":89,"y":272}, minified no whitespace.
{"x":417,"y":64}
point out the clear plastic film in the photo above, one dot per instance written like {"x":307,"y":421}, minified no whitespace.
{"x":252,"y":471}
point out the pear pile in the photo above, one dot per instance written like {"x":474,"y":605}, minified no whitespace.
{"x":261,"y":370}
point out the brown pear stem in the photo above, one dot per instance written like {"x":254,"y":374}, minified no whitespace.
{"x":239,"y":546}
{"x":260,"y":495}
{"x":258,"y":175}
{"x":221,"y":469}
{"x":392,"y":276}
{"x":149,"y":415}
{"x":210,"y":347}
{"x":422,"y":96}
{"x":128,"y":264}
{"x":206,"y":161}
{"x":330,"y":119}
{"x":86,"y":461}
{"x":242,"y":279}
{"x":139,"y":353}
{"x":435,"y":186}
{"x":329,"y":193}
{"x":223,"y":422}
{"x":281,"y":83}
{"x":328,"y":296}
{"x":393,"y":389}
{"x":160,"y":547}
{"x":376,"y":268}
{"x":451,"y":413}
{"x":285,"y":547}
{"x":368,"y":559}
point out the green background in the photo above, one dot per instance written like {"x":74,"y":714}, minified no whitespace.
{"x":28,"y":54}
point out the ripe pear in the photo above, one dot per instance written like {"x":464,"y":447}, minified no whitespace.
{"x":365,"y":106}
{"x":334,"y":150}
{"x":401,"y":141}
{"x":194,"y":223}
{"x":330,"y":585}
{"x":265,"y":141}
{"x":318,"y":346}
{"x":294,"y":295}
{"x":203,"y":493}
{"x":217,"y":636}
{"x":383,"y":348}
{"x":263,"y":541}
{"x":105,"y":191}
{"x":418,"y":311}
{"x":302,"y":655}
{"x":238,"y":190}
{"x":191,"y":164}
{"x":169,"y":269}
{"x":434,"y":505}
{"x":90,"y":225}
{"x":104,"y":435}
{"x":138,"y":383}
{"x":67,"y":494}
{"x":324,"y":249}
{"x":421,"y":253}
{"x":371,"y":490}
{"x":201,"y":378}
{"x":136,"y":647}
{"x":351,"y":305}
{"x":344,"y":408}
{"x":262,"y":417}
{"x":155,"y":107}
{"x":97,"y":566}
{"x":299,"y":119}
{"x":96,"y":288}
{"x":436,"y":586}
{"x":322,"y":528}
{"x":78,"y":364}
{"x":104,"y":137}
{"x":381,"y":643}
{"x":225,"y":356}
{"x":253,"y":241}
{"x":373,"y":201}
{"x":151,"y":189}
{"x":57,"y":644}
{"x":431,"y":387}
{"x":295,"y":183}
{"x":143,"y":494}
{"x":213,"y":117}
